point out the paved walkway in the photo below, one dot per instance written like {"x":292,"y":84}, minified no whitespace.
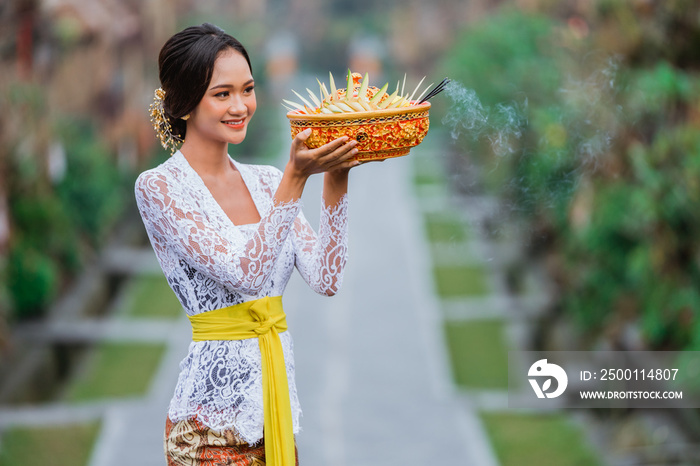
{"x":133,"y":434}
{"x":371,"y":362}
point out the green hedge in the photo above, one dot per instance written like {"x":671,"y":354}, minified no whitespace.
{"x":604,"y":159}
{"x":57,"y":224}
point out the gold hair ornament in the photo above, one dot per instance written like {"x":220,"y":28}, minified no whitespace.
{"x":161,"y":125}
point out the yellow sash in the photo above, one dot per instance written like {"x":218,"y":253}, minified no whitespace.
{"x":263,"y":319}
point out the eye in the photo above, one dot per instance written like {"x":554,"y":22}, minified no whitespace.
{"x":221,"y":94}
{"x":249,"y":89}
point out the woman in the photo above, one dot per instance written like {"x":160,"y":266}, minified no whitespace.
{"x":227,"y":236}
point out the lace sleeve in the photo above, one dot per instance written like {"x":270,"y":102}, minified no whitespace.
{"x":178,"y":223}
{"x":321,"y":258}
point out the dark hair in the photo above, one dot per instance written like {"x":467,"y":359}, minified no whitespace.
{"x":186,"y":65}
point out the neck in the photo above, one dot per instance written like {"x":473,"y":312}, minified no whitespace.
{"x":207,"y":158}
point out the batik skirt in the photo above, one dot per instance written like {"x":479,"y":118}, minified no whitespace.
{"x":191,"y":443}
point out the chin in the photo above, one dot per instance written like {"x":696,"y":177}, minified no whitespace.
{"x":236,"y":141}
{"x":239,"y":138}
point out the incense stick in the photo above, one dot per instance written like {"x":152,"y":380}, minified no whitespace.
{"x":436,"y":90}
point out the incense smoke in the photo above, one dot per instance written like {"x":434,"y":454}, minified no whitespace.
{"x":576,"y":141}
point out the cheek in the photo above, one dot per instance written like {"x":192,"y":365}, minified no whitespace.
{"x":206,"y":110}
{"x":252,"y":105}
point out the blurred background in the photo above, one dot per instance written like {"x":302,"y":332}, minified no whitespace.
{"x":556,"y":200}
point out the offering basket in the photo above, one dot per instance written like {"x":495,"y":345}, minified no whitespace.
{"x":380,"y":134}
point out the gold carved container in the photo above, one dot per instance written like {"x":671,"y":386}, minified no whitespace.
{"x":380,"y":134}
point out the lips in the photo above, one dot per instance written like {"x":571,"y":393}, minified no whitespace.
{"x":235,"y":124}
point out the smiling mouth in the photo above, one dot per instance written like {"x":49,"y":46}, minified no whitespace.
{"x":234,"y":123}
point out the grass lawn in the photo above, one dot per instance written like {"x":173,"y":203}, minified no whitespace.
{"x":427,"y":177}
{"x":460,"y":280}
{"x":538,"y":440}
{"x":48,"y":446}
{"x":150,"y":296}
{"x":117,"y":370}
{"x":444,"y":228}
{"x":478,"y":353}
{"x":426,"y":169}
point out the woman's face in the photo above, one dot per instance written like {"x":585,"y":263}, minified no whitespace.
{"x":229,"y":103}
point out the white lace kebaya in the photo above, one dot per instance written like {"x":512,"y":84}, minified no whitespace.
{"x":211,"y":263}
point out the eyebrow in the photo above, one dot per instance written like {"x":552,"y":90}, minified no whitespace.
{"x":228,"y":86}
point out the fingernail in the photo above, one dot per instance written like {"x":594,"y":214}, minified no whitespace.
{"x":307,"y":131}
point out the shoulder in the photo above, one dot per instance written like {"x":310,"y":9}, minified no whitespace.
{"x":158,"y":178}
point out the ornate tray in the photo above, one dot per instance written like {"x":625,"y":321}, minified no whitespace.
{"x":380,"y":134}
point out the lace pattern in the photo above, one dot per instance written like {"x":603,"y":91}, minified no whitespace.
{"x":211,"y":263}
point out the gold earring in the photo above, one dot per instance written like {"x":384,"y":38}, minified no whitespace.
{"x":186,"y":117}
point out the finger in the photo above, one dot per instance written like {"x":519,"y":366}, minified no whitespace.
{"x":301,"y":138}
{"x":338,"y":158}
{"x":342,"y":153}
{"x":346,"y":165}
{"x":347,"y":146}
{"x":334,"y":145}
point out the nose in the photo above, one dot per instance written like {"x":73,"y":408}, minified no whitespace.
{"x":237,"y":106}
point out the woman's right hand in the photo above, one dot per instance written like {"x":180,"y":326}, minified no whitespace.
{"x":335,"y":155}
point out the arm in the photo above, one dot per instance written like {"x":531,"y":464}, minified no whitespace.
{"x":321,"y":258}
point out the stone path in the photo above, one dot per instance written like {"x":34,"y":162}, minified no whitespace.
{"x":133,"y":434}
{"x":371,"y":362}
